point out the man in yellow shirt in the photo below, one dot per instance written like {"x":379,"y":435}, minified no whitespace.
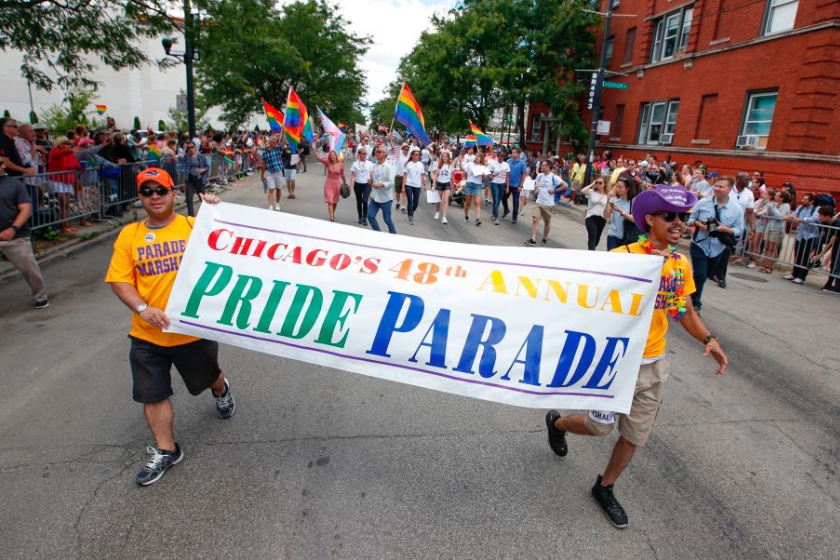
{"x":661,"y":213}
{"x":142,"y":272}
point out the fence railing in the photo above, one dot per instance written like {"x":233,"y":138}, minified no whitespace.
{"x":774,"y":244}
{"x":97,"y":193}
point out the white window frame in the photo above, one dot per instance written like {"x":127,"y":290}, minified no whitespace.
{"x":610,"y":48}
{"x":681,"y":28}
{"x":761,"y":143}
{"x":536,"y":128}
{"x":666,"y":122}
{"x":772,"y":7}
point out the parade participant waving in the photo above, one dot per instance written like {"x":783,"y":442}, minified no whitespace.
{"x":476,"y":172}
{"x":415,"y":178}
{"x":142,"y":272}
{"x":360,"y":177}
{"x":661,"y":213}
{"x":332,"y":186}
{"x":442,"y":179}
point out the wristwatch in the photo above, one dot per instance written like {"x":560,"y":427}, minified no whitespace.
{"x":709,"y":338}
{"x":140,"y":308}
{"x":15,"y":228}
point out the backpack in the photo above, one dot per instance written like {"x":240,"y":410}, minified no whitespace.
{"x":824,"y":200}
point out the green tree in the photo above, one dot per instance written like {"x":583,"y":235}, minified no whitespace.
{"x":255,"y":51}
{"x":71,"y":111}
{"x":136,"y":125}
{"x":60,"y":39}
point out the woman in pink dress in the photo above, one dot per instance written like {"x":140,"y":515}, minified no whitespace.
{"x":335,"y":176}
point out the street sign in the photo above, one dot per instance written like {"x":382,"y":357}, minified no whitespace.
{"x":603,"y":128}
{"x":181,"y":103}
{"x":509,"y":120}
{"x":615,"y":85}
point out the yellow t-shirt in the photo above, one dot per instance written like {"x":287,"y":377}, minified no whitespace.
{"x":149,"y":258}
{"x":655,"y":345}
{"x":616,"y":172}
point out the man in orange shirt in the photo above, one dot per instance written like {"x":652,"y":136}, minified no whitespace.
{"x":143,"y":267}
{"x":661,"y":213}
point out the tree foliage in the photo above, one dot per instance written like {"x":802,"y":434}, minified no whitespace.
{"x":486,"y":55}
{"x":60,"y":39}
{"x":71,"y":111}
{"x":251,"y":50}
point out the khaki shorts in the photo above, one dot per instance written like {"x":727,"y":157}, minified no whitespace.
{"x":540,"y":211}
{"x":636,"y":426}
{"x":773,"y":235}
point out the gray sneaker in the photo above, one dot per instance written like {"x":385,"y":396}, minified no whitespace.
{"x":157,"y":465}
{"x":225,"y":405}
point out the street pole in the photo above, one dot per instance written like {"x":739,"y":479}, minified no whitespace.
{"x":188,"y":61}
{"x":595,"y":98}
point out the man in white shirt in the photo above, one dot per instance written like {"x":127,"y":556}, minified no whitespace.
{"x":500,"y":172}
{"x":360,"y":177}
{"x":745,"y":198}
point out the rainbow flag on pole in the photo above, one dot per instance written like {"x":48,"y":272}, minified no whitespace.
{"x":335,"y":133}
{"x":408,"y":113}
{"x":480,"y":138}
{"x":470,"y":141}
{"x":154,"y":152}
{"x":275,"y":118}
{"x":296,"y":120}
{"x":101,"y":109}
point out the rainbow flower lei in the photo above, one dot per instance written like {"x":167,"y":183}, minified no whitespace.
{"x":674,"y":285}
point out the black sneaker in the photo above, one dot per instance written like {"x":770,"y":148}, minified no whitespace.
{"x":225,"y":405}
{"x":544,"y":243}
{"x":722,"y":283}
{"x":606,"y":499}
{"x":157,"y":465}
{"x":714,"y":278}
{"x":530,"y":243}
{"x":42,"y":303}
{"x":556,"y":438}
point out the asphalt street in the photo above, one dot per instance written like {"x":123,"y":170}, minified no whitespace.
{"x":321,"y":463}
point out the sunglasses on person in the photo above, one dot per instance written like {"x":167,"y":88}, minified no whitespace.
{"x":146,"y":192}
{"x":671,"y":216}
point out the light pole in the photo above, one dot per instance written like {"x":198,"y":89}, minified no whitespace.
{"x":594,"y":97}
{"x":188,"y":57}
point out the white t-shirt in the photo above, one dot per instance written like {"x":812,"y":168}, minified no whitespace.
{"x":500,"y":170}
{"x":413,"y":172}
{"x":543,"y":184}
{"x":597,"y":203}
{"x":745,"y":198}
{"x":476,"y":173}
{"x":444,"y":174}
{"x":362,"y":170}
{"x":466,"y":159}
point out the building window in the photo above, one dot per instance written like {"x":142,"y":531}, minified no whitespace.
{"x":610,"y":45}
{"x":670,"y":34}
{"x":658,"y":122}
{"x":619,"y":119}
{"x":614,"y":4}
{"x":780,"y":16}
{"x":629,"y":45}
{"x":758,"y":116}
{"x":536,"y":127}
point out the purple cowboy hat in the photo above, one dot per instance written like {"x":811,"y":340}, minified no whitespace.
{"x":662,"y":198}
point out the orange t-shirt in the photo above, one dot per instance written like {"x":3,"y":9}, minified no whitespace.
{"x":149,"y":259}
{"x":655,"y":345}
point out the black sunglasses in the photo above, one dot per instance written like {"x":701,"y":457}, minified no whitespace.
{"x":671,"y":216}
{"x":146,"y":192}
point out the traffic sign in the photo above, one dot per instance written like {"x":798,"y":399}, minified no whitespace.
{"x":615,"y":85}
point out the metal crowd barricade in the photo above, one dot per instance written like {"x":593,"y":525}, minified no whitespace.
{"x":788,"y":253}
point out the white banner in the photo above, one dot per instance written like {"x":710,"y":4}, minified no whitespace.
{"x":540,"y":328}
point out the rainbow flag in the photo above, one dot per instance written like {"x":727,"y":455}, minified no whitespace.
{"x":480,"y":138}
{"x":101,"y":109}
{"x":275,"y":118}
{"x":296,"y":123}
{"x":409,"y":114}
{"x":470,"y":142}
{"x":154,"y":152}
{"x":335,"y":133}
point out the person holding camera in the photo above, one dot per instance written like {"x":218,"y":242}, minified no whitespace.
{"x":719,"y":222}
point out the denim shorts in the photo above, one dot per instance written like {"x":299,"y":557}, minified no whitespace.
{"x":473,"y":189}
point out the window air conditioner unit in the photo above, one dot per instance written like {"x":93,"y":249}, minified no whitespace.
{"x":666,"y":139}
{"x":747,"y":141}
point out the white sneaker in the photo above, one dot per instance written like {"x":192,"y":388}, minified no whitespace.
{"x":276,"y":207}
{"x":787,"y":277}
{"x":798,"y":281}
{"x":751,"y":265}
{"x":437,"y":215}
{"x":271,"y":207}
{"x":444,"y":221}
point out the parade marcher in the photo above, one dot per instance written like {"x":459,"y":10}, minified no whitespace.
{"x":414,"y":177}
{"x":829,"y":243}
{"x":476,"y":172}
{"x":500,"y":175}
{"x":517,"y":174}
{"x":290,"y":161}
{"x":195,"y":168}
{"x":360,"y":177}
{"x":617,"y":212}
{"x":382,"y":195}
{"x":442,"y":180}
{"x":142,"y":278}
{"x":303,"y":150}
{"x":547,"y":183}
{"x":332,"y":186}
{"x":718,"y":222}
{"x":273,"y":161}
{"x":660,"y":213}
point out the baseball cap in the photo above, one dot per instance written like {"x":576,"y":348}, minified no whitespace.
{"x":713,"y":174}
{"x":155,"y":175}
{"x":61,"y":140}
{"x":644,"y":163}
{"x":39,"y":126}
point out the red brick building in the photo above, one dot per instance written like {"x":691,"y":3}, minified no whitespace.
{"x":742,"y":85}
